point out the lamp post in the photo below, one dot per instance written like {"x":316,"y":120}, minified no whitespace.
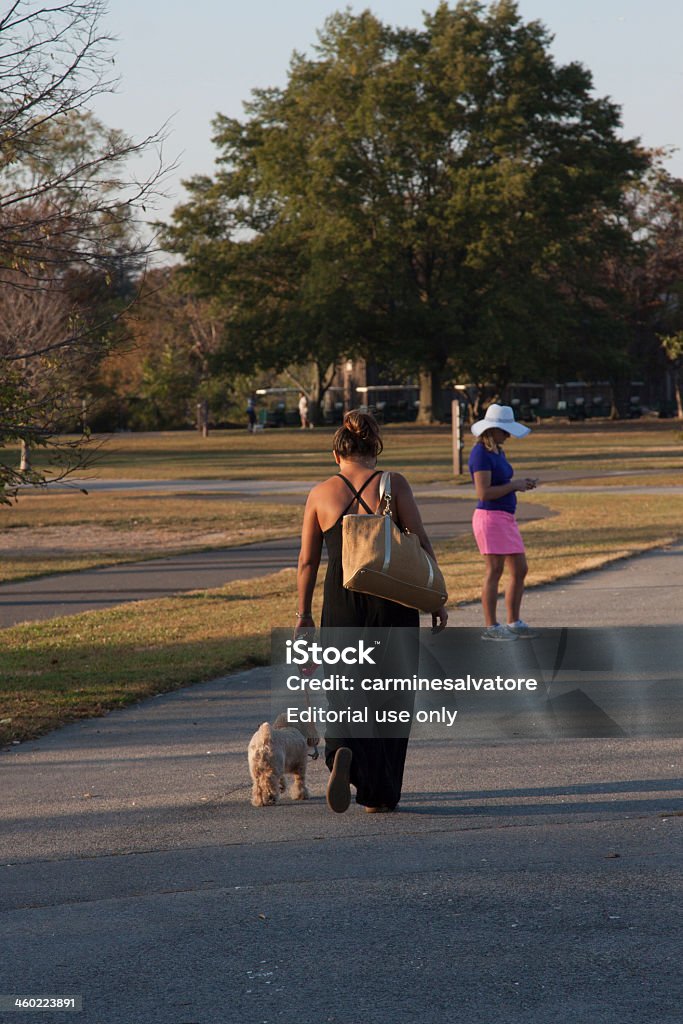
{"x":458,"y":423}
{"x":348,"y":370}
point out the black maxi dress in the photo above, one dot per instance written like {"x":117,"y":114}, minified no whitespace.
{"x":377,"y":763}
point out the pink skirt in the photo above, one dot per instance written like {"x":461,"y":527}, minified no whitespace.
{"x":496,"y":533}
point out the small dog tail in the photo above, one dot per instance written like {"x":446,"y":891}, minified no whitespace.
{"x":263,"y":742}
{"x":265,"y":790}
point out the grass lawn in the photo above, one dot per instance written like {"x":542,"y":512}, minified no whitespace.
{"x":584,"y":533}
{"x":424,"y":454}
{"x":649,"y":478}
{"x":83,"y":665}
{"x":59,"y":531}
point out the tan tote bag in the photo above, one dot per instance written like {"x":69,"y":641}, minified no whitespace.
{"x":381,"y":560}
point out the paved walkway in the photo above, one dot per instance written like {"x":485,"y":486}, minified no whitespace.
{"x":67,"y":593}
{"x":446,"y":510}
{"x":640,"y":591}
{"x":522,"y":882}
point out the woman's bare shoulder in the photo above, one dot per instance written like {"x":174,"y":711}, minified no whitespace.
{"x":323,"y":489}
{"x":399,"y":482}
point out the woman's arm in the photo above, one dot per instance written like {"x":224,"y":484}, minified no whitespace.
{"x":309,"y":561}
{"x":485,"y":492}
{"x":408,"y":515}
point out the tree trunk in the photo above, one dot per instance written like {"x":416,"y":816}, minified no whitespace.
{"x":620,"y":399}
{"x":679,"y":397}
{"x":324,"y":376}
{"x":25,"y":459}
{"x":315,"y":398}
{"x":203,"y":417}
{"x":430,"y":396}
{"x":477,"y":405}
{"x":315,"y":414}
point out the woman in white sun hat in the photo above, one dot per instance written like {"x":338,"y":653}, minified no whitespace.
{"x":494,"y":524}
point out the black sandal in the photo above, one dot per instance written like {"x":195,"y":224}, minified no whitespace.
{"x":339,"y":786}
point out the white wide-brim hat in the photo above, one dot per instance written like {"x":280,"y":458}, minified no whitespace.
{"x":503,"y":417}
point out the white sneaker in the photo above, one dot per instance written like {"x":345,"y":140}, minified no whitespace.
{"x":498,"y":632}
{"x":521,"y":629}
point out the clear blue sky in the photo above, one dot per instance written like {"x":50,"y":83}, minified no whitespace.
{"x":188,"y":61}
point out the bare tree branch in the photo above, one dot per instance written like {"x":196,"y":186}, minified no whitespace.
{"x":71,"y":224}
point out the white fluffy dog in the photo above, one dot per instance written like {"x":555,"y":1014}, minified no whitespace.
{"x":275,"y":751}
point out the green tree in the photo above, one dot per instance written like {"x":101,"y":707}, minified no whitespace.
{"x":627,"y":294}
{"x":166,"y":374}
{"x":413,"y":195}
{"x":178,"y":336}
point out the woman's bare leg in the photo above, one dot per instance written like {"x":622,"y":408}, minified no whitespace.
{"x":517,"y":569}
{"x":489,"y":594}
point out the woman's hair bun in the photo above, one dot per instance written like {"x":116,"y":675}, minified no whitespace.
{"x":361,"y":423}
{"x":359,"y":435}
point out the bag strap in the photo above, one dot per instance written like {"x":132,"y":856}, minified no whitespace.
{"x":385,"y":494}
{"x":357,"y":494}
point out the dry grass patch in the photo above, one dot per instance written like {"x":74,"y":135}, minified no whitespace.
{"x":48,"y":532}
{"x":653,"y":478}
{"x":586,"y":531}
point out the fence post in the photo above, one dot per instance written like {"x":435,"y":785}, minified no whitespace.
{"x":458,"y":423}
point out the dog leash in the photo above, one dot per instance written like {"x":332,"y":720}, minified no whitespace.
{"x":316,"y":753}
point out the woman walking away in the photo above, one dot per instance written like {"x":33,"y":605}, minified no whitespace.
{"x":374,"y":765}
{"x":494,"y":524}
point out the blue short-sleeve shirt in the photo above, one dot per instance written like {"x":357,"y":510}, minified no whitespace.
{"x":501,"y":473}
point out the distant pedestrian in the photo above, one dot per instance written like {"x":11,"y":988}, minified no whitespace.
{"x":494,"y":524}
{"x":251,"y":415}
{"x":303,"y":412}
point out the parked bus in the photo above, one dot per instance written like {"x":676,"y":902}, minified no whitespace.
{"x":390,"y":403}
